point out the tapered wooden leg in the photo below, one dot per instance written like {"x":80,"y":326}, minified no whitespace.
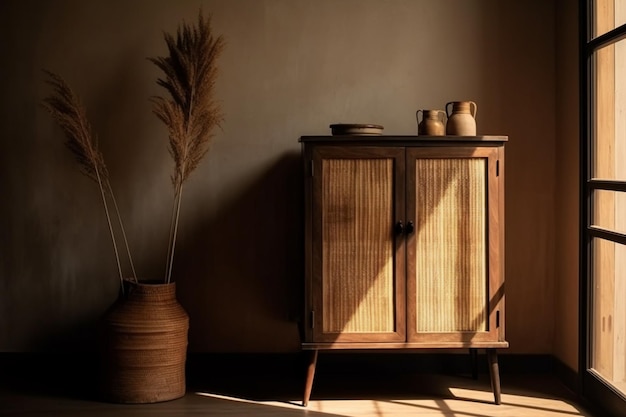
{"x":474,"y":362}
{"x":494,"y":374}
{"x":310,"y":374}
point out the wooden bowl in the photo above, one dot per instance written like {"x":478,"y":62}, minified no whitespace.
{"x":356,"y":129}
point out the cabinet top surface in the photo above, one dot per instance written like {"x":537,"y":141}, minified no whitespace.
{"x":403,"y":138}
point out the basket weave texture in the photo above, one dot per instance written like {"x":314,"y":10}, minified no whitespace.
{"x":145,"y":346}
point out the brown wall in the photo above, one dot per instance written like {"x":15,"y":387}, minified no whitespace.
{"x":567,"y":183}
{"x":291,"y":68}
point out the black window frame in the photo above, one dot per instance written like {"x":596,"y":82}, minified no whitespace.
{"x":593,"y":389}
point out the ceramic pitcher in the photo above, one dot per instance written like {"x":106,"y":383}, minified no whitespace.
{"x":431,"y":123}
{"x":462,"y":118}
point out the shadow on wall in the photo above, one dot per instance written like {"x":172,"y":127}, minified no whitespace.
{"x":240,"y":273}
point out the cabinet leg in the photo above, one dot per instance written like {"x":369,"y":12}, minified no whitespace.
{"x":474,"y":362}
{"x":494,"y":374}
{"x":310,"y":374}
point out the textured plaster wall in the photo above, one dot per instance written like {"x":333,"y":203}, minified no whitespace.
{"x":291,"y":68}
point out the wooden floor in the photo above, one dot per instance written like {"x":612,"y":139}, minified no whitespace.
{"x":410,"y":395}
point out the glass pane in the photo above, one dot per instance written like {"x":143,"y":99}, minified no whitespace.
{"x":609,"y":210}
{"x":608,"y":14}
{"x":609,"y":114}
{"x":608,"y":321}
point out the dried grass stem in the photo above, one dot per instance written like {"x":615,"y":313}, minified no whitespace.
{"x":67,"y":110}
{"x":190,"y":111}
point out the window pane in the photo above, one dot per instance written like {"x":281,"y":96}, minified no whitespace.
{"x":609,"y":210}
{"x":608,"y":14}
{"x":610,"y":112}
{"x":608,"y":322}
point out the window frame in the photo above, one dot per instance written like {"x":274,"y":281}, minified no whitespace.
{"x":592,"y":386}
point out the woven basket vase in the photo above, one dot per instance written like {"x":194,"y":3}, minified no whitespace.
{"x":144,"y":346}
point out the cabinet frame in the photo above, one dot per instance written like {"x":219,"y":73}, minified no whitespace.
{"x":403,"y":150}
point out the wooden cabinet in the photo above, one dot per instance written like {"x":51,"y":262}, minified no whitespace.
{"x":404,"y":244}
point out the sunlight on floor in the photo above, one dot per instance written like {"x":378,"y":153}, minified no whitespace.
{"x":292,"y":405}
{"x":465,"y":403}
{"x":543,"y":406}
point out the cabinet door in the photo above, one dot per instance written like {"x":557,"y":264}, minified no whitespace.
{"x":454,"y":258}
{"x":358,"y":259}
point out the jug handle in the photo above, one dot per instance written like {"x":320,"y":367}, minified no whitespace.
{"x":417,"y":115}
{"x":475,"y":109}
{"x":443,"y":115}
{"x":447,"y":112}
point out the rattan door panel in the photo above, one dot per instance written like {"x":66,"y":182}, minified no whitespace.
{"x":358,"y":294}
{"x":452,"y":196}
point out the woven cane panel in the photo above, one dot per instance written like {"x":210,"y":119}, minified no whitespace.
{"x":451,"y":245}
{"x":357,"y":246}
